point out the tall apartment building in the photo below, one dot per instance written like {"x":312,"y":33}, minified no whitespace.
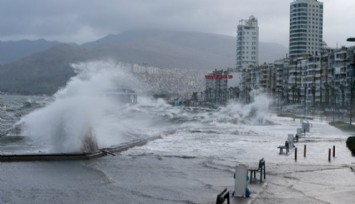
{"x":247,"y":42}
{"x":306,"y":28}
{"x":218,"y":88}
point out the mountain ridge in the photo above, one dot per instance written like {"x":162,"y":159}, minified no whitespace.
{"x":11,"y":51}
{"x":46,"y":71}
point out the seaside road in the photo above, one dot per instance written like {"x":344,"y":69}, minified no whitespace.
{"x":325,"y":184}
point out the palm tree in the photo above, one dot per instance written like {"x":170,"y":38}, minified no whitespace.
{"x":305,"y":95}
{"x":293,"y":90}
{"x":230,"y":93}
{"x":208,"y":93}
{"x":298,"y":95}
{"x":321,"y":96}
{"x":201,"y":93}
{"x":236,"y":92}
{"x":327,"y":90}
{"x":313,"y":90}
{"x":225,"y":97}
{"x":288,"y":95}
{"x":194,"y":97}
{"x":342,"y":90}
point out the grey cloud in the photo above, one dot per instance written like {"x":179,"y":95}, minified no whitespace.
{"x":83,"y":20}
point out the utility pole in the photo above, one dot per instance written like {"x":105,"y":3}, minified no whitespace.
{"x":351,"y":83}
{"x":351,"y":90}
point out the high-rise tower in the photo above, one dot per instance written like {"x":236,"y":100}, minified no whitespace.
{"x":306,"y":27}
{"x":247,"y":42}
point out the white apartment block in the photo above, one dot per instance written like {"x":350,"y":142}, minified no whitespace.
{"x":306,"y":28}
{"x":247,"y":43}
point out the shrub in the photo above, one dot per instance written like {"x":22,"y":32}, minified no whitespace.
{"x":350,"y":143}
{"x":343,"y":126}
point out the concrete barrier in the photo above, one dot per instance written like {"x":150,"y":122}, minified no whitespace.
{"x":240,"y":180}
{"x":299,"y":132}
{"x":305,"y":125}
{"x":51,"y":157}
{"x":75,"y":155}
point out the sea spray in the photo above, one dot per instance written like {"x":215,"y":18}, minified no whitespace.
{"x":254,"y":113}
{"x":81,"y":112}
{"x":82,"y":117}
{"x":257,"y":111}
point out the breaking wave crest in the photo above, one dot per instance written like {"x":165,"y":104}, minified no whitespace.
{"x":255,"y":113}
{"x":81,"y":113}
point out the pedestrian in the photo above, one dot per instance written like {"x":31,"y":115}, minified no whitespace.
{"x":296,"y":137}
{"x":287,"y":146}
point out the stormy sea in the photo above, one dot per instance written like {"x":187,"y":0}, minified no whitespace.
{"x":192,"y":160}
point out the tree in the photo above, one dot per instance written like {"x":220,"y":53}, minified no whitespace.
{"x":313,"y":90}
{"x":194,"y":97}
{"x":231,"y":93}
{"x":327,"y":93}
{"x":293,"y":90}
{"x":202,"y":95}
{"x":236,"y":92}
{"x":342,"y":90}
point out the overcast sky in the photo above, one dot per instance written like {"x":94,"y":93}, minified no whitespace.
{"x":87,"y":20}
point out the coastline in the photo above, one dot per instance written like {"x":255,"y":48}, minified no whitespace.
{"x":193,"y":167}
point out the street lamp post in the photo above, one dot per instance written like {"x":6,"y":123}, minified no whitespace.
{"x":351,"y":95}
{"x":279,"y":90}
{"x":305,"y":100}
{"x":351,"y":100}
{"x":352,"y":39}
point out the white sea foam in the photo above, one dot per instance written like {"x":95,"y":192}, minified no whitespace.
{"x":81,"y":108}
{"x":253,"y":113}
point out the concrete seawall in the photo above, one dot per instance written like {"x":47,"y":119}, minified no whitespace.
{"x":75,"y":155}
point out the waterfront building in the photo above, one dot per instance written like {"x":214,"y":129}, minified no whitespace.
{"x":216,"y":87}
{"x":311,"y":76}
{"x":341,"y":76}
{"x":325,"y":80}
{"x":247,"y":49}
{"x":267,"y":77}
{"x":251,"y":81}
{"x":281,"y":79}
{"x":294,"y":80}
{"x":306,"y":28}
{"x":317,"y":82}
{"x":221,"y":86}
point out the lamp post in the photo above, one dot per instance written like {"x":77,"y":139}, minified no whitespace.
{"x":305,"y":100}
{"x":280,"y":90}
{"x":352,"y":39}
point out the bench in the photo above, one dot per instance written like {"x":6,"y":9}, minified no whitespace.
{"x":260,"y":168}
{"x":222,"y":197}
{"x":286,"y":146}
